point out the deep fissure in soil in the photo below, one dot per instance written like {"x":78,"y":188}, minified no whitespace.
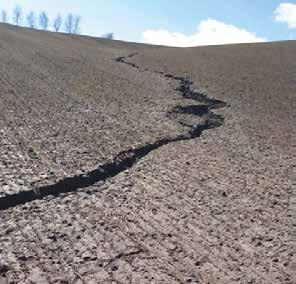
{"x":127,"y":159}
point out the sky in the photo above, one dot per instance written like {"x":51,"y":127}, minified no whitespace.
{"x":174,"y":22}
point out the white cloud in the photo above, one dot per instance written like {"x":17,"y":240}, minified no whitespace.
{"x":286,"y":13}
{"x":210,"y":32}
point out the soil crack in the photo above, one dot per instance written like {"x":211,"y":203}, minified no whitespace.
{"x":127,"y":159}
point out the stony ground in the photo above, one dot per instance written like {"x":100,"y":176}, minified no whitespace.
{"x":218,"y":207}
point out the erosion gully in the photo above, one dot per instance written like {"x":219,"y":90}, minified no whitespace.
{"x":127,"y":159}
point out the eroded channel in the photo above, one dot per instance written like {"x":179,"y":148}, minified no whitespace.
{"x":127,"y":159}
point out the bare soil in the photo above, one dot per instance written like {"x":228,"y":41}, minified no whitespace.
{"x":127,"y":163}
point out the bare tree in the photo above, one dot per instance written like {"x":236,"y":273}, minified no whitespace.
{"x":43,"y":20}
{"x":57,"y":23}
{"x":76,"y":25}
{"x":108,"y":36}
{"x":69,"y":24}
{"x":17,"y":15}
{"x":4,"y":17}
{"x":31,"y":20}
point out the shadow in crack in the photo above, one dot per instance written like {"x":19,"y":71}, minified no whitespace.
{"x":198,"y":110}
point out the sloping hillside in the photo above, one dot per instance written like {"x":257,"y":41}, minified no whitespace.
{"x":141,"y":164}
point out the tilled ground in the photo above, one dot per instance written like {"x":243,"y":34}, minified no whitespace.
{"x":195,"y":201}
{"x":168,"y":225}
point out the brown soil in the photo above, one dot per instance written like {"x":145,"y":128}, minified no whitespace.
{"x":126,"y":163}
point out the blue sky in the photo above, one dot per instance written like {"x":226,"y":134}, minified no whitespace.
{"x":186,"y":22}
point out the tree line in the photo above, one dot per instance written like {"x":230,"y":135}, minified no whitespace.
{"x":71,"y":23}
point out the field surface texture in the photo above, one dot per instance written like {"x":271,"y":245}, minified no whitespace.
{"x":130,"y":163}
